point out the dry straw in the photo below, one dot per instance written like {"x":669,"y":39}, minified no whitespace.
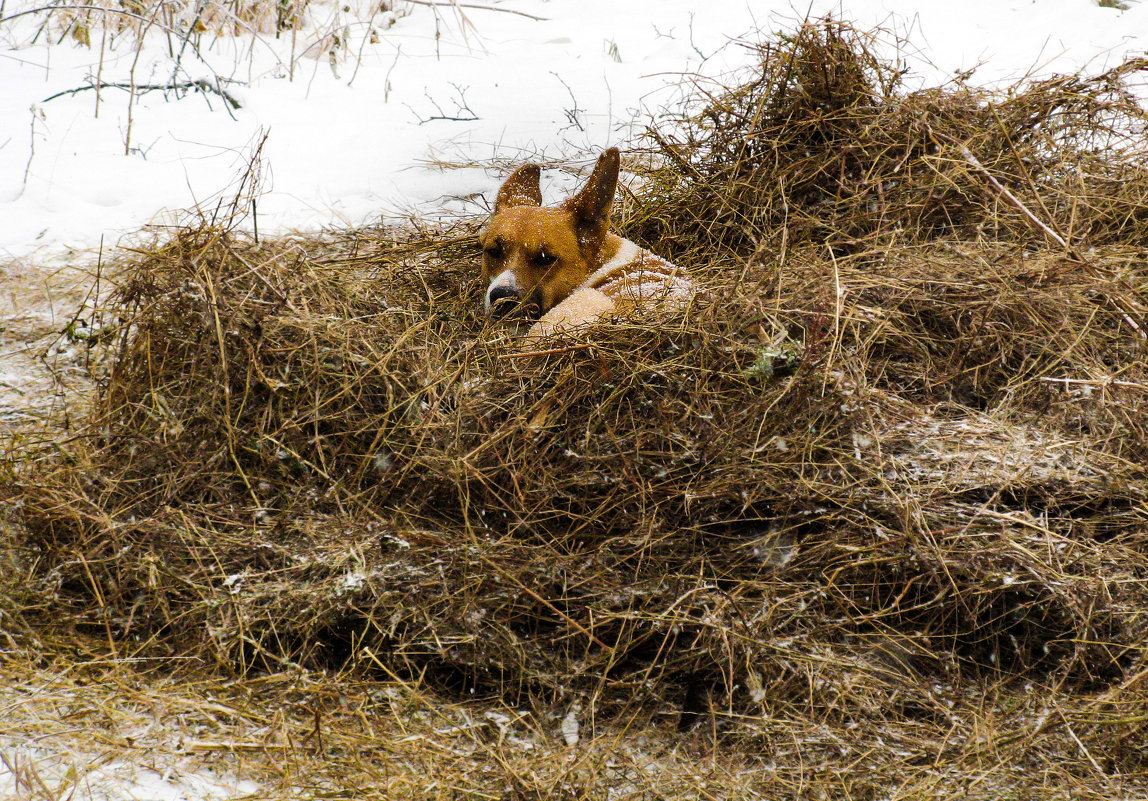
{"x":873,"y":509}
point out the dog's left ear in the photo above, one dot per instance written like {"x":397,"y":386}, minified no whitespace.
{"x":591,"y":206}
{"x":520,"y":189}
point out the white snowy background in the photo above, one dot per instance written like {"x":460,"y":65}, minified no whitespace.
{"x":351,"y":130}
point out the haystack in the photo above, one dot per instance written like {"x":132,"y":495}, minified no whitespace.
{"x":891,"y":457}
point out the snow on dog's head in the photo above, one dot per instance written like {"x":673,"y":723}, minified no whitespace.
{"x":535,"y":256}
{"x":561,"y":265}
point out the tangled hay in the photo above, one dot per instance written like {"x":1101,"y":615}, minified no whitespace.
{"x":889,"y":464}
{"x":821,"y":143}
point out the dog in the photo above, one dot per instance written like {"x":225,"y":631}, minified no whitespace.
{"x":560,"y":266}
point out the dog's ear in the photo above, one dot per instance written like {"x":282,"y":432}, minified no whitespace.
{"x":520,"y":189}
{"x":591,"y":206}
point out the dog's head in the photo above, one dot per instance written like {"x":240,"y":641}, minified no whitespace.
{"x":534,"y":256}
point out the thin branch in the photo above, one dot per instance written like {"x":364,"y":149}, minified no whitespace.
{"x":573,"y":112}
{"x":478,"y":7}
{"x":202,"y":85}
{"x":387,"y":79}
{"x":968,"y":156}
{"x":548,"y":352}
{"x":462,"y":113}
{"x":36,"y":113}
{"x":186,"y":38}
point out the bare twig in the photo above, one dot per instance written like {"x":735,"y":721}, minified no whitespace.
{"x":547,"y":352}
{"x":573,"y":113}
{"x":477,"y":7}
{"x":462,"y":112}
{"x":201,"y":85}
{"x":100,"y":68}
{"x":36,"y":113}
{"x":186,"y":38}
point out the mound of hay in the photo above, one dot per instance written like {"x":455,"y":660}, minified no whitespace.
{"x":822,"y":144}
{"x":899,"y":457}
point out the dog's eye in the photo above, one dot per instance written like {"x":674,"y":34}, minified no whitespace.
{"x":543,"y":259}
{"x":493,"y":252}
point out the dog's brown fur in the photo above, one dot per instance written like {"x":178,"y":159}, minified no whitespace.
{"x":562,"y":264}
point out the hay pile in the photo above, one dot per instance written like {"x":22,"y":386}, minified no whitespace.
{"x":888,"y":469}
{"x":823,"y":145}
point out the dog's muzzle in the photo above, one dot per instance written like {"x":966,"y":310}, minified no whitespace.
{"x":503,"y":301}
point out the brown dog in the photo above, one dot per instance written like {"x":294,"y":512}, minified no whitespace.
{"x":561,"y":266}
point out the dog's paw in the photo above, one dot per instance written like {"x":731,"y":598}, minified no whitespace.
{"x":583,"y":308}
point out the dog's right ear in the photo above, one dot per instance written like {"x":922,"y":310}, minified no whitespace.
{"x":591,"y":206}
{"x":520,"y":189}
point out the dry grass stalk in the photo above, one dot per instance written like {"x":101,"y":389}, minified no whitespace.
{"x":822,"y":140}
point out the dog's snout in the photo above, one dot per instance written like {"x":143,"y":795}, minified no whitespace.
{"x":501,"y":300}
{"x":501,"y":293}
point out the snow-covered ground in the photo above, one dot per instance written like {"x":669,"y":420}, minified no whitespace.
{"x":357,"y":120}
{"x":36,"y":772}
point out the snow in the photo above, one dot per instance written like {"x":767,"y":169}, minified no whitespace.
{"x":353,"y":132}
{"x":28,"y":772}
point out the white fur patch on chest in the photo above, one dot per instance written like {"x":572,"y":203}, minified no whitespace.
{"x":635,"y":274}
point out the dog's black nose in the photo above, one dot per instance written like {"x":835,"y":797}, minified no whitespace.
{"x":502,"y":300}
